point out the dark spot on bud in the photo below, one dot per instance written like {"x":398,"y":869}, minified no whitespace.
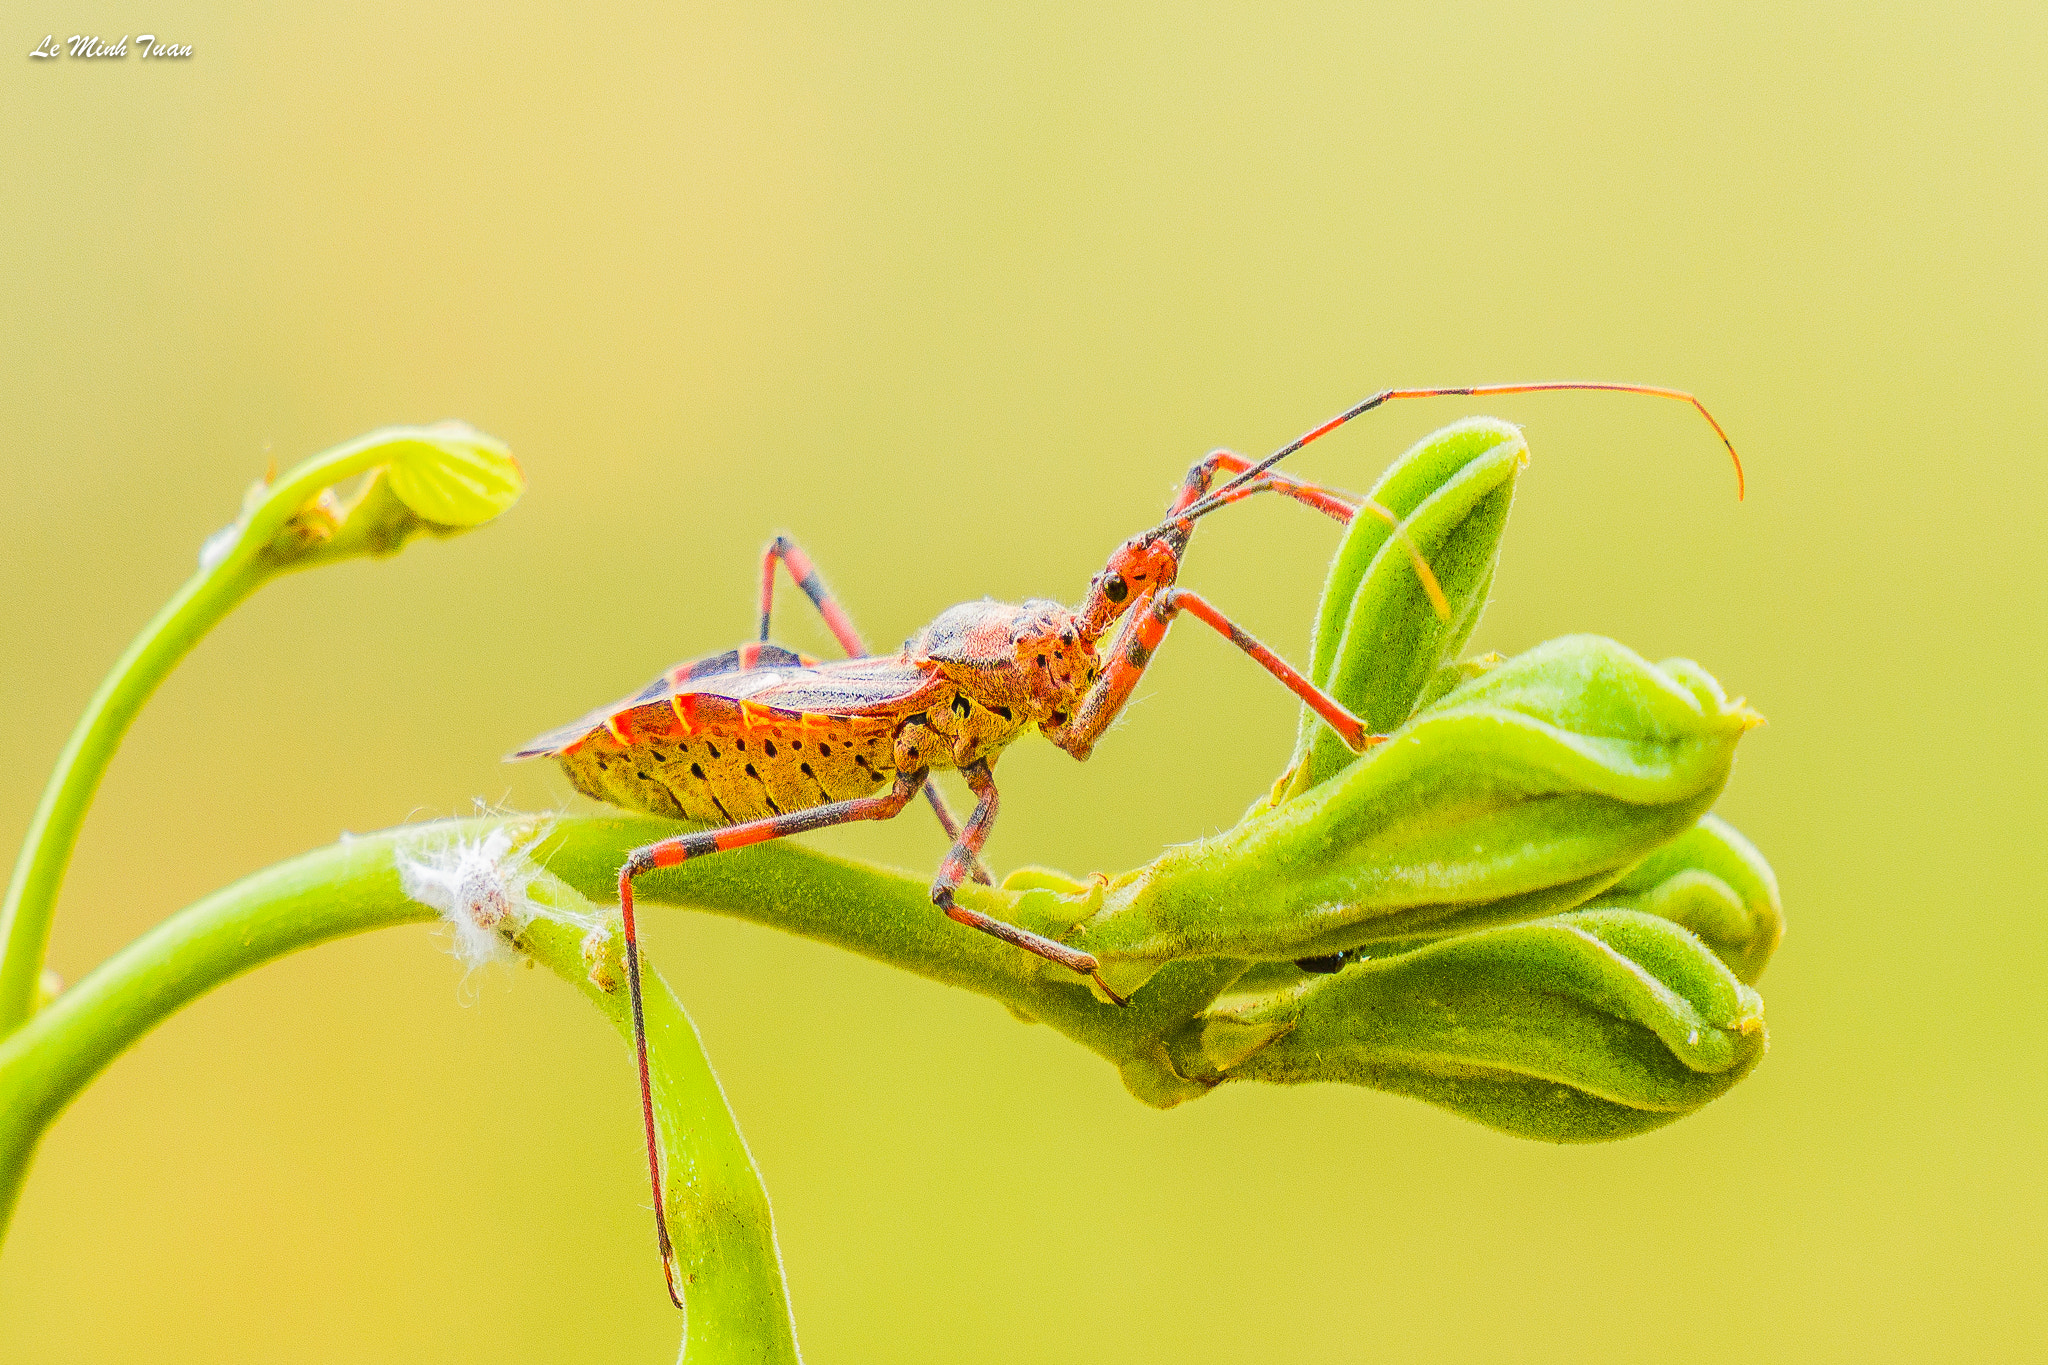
{"x":771,"y":748}
{"x":697,"y":771}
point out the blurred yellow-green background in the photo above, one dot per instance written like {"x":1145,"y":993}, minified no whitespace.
{"x":955,"y":296}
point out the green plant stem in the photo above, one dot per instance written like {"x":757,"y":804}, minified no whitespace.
{"x":328,"y":894}
{"x":353,"y":886}
{"x":39,"y":871}
{"x":738,"y":1307}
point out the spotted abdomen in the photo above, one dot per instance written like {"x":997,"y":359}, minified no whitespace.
{"x":736,"y":762}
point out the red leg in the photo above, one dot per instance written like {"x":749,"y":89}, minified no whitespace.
{"x":982,"y":783}
{"x":813,"y":584}
{"x":698,"y":844}
{"x":807,"y":577}
{"x":1342,"y":506}
{"x":1139,"y":641}
{"x":1328,"y":501}
{"x":683,"y":847}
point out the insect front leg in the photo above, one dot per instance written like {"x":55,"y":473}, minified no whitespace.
{"x":1139,"y":641}
{"x":683,"y":847}
{"x":1331,"y":503}
{"x":1193,"y":488}
{"x":793,"y":558}
{"x":982,"y":783}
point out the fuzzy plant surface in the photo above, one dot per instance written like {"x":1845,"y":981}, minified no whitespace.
{"x":1519,"y":907}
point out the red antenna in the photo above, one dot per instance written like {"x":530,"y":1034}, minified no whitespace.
{"x":1216,"y":498}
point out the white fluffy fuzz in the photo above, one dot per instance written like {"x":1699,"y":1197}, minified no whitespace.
{"x":489,"y":890}
{"x":478,"y":886}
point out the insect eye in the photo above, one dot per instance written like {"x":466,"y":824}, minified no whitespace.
{"x":1115,"y":589}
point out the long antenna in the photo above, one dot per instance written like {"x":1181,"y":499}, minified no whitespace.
{"x":1215,"y":497}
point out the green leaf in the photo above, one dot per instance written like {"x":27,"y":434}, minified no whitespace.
{"x":1581,"y":1027}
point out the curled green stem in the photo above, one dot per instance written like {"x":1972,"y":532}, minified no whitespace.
{"x":427,"y":480}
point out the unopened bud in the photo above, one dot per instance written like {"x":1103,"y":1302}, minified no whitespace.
{"x":1521,"y":793}
{"x":1575,"y":1028}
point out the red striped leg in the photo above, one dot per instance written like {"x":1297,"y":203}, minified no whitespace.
{"x":807,"y":577}
{"x":1140,"y":641}
{"x":1328,"y":501}
{"x":836,"y":620}
{"x":683,"y":847}
{"x":982,"y":783}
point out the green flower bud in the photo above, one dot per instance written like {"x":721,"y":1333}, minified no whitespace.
{"x":1521,"y":793}
{"x":1582,"y":1027}
{"x":437,"y":480}
{"x":1712,"y":881}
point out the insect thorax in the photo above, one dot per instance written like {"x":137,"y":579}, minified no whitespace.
{"x":1029,"y":662}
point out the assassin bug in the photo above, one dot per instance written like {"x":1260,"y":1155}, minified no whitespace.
{"x":765,"y":742}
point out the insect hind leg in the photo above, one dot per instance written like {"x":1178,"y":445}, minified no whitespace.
{"x":682,"y":848}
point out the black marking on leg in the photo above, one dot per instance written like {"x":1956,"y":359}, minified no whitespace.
{"x":1136,"y":653}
